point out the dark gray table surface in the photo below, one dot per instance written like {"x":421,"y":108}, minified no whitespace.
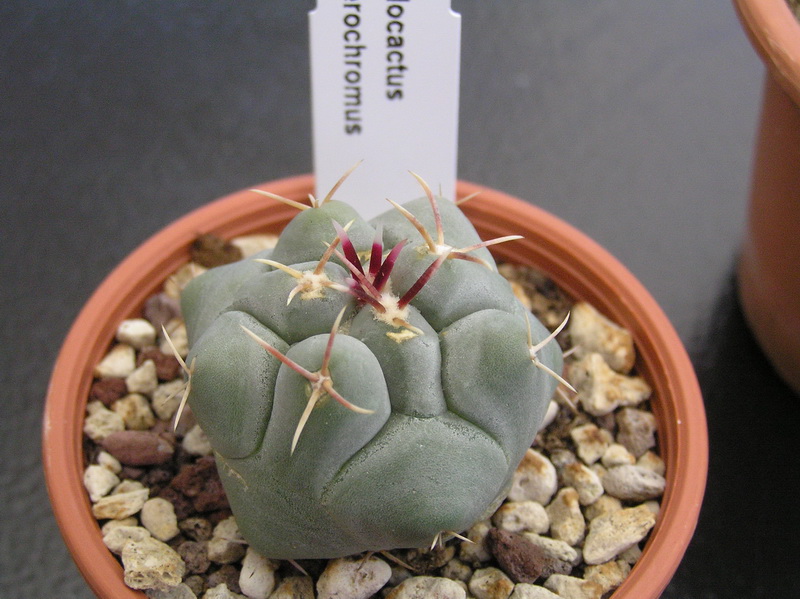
{"x":632,"y":120}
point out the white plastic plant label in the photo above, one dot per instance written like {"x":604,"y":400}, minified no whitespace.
{"x":384,"y":92}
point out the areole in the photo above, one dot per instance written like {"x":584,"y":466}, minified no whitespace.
{"x":576,"y":263}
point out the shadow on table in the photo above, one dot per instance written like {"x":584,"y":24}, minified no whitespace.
{"x":748,"y":538}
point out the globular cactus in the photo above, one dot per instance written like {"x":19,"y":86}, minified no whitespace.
{"x":365,"y":386}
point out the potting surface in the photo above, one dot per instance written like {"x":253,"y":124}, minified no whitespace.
{"x":632,"y":121}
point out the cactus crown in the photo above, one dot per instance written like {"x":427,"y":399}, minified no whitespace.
{"x":439,"y":379}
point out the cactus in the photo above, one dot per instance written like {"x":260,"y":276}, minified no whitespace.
{"x":365,"y":385}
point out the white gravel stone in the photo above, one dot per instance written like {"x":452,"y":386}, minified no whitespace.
{"x":554,"y":548}
{"x":490,"y":583}
{"x":180,"y":591}
{"x":116,"y":538}
{"x":617,"y":455}
{"x":552,"y":411}
{"x":523,"y":590}
{"x":608,"y":575}
{"x":158,"y":516}
{"x":519,"y":516}
{"x":604,"y":505}
{"x":221,"y":591}
{"x":120,"y":505}
{"x":652,"y":461}
{"x":252,"y":244}
{"x":535,"y":479}
{"x":149,"y":564}
{"x":570,"y":587}
{"x":128,"y":485}
{"x":592,"y":332}
{"x":106,"y":460}
{"x":566,"y":519}
{"x":633,"y":483}
{"x":167,"y":397}
{"x":136,"y":332}
{"x":135,"y":411}
{"x":428,"y":587}
{"x":101,"y":422}
{"x":591,"y":442}
{"x":611,"y":534}
{"x":195,"y":442}
{"x":601,"y":390}
{"x":353,"y":578}
{"x":257,"y":577}
{"x":144,"y":379}
{"x":119,"y":362}
{"x":584,"y":481}
{"x":294,"y":587}
{"x":631,"y":556}
{"x":112,"y":524}
{"x":476,"y":551}
{"x":226,"y":544}
{"x":99,"y":481}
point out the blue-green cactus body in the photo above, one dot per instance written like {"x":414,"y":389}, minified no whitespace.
{"x":454,"y":397}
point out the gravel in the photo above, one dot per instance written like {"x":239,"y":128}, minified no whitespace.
{"x":581,"y":505}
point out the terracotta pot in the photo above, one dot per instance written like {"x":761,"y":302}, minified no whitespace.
{"x":577,"y":264}
{"x":769,"y":267}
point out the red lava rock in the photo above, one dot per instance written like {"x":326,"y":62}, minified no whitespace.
{"x":522,"y":560}
{"x":108,"y":390}
{"x":210,"y":251}
{"x":212,"y":498}
{"x":167,"y":366}
{"x":192,"y":478}
{"x":138,"y":448}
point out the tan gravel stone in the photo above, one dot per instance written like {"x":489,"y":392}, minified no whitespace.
{"x":144,"y":379}
{"x":570,"y":587}
{"x":601,"y":390}
{"x":136,"y":332}
{"x":518,"y":516}
{"x":535,"y":479}
{"x":608,"y":575}
{"x":158,"y":516}
{"x":490,"y":583}
{"x":592,"y":332}
{"x":591,"y":442}
{"x":135,"y":411}
{"x":120,"y":505}
{"x":119,"y":362}
{"x":611,"y":534}
{"x":425,"y":587}
{"x":101,"y":422}
{"x":294,"y":587}
{"x":149,"y":563}
{"x":99,"y":481}
{"x":633,"y":483}
{"x":524,"y":590}
{"x":116,"y":538}
{"x":566,"y":519}
{"x":584,"y":481}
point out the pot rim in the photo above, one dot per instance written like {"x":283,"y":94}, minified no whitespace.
{"x":578,"y":264}
{"x":774,"y":32}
